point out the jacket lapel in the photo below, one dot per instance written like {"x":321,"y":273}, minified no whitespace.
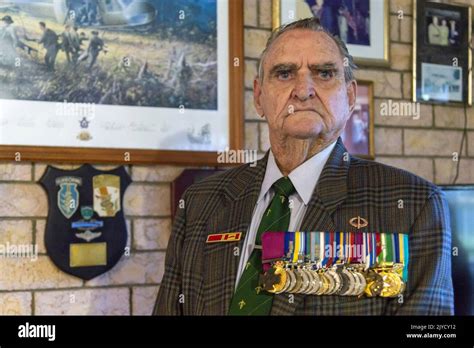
{"x":329,"y":193}
{"x":234,"y":214}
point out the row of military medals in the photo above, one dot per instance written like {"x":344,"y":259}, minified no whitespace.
{"x":306,"y":269}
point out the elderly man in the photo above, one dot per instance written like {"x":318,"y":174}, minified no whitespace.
{"x":306,"y":182}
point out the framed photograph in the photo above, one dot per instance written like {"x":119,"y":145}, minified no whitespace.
{"x":441,"y":82}
{"x":121,"y":81}
{"x":362,"y":24}
{"x":358,"y":136}
{"x":442,"y":57}
{"x":442,"y":27}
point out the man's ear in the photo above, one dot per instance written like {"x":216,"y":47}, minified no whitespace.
{"x":352,"y":95}
{"x":257,"y":92}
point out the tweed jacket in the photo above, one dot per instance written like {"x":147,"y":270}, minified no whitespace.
{"x":199,"y":278}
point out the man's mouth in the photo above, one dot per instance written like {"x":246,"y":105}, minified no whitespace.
{"x":301,"y":110}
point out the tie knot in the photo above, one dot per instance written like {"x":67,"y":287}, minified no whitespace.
{"x":284,"y":186}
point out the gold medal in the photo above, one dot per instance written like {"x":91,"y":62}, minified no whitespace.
{"x":287,"y":282}
{"x":374,"y":283}
{"x":279,"y":271}
{"x":331,"y":283}
{"x":324,"y":283}
{"x":392,"y":284}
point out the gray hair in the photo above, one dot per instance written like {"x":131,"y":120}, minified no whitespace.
{"x":314,"y":24}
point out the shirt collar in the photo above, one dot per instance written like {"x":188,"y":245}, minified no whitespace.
{"x":304,"y":177}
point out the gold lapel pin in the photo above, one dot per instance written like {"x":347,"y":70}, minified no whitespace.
{"x":358,"y":222}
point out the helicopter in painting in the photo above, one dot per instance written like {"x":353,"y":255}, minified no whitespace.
{"x":106,"y":14}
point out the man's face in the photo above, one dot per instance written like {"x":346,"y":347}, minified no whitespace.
{"x":303,"y":94}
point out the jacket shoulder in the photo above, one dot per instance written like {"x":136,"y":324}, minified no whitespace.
{"x":215,"y":183}
{"x":204,"y":197}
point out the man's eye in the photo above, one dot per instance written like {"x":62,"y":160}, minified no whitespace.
{"x":284,"y":75}
{"x":326,"y":74}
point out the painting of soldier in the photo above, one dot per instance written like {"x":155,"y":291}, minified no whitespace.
{"x":153,"y":53}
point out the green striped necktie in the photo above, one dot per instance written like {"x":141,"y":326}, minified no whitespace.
{"x":249,"y":299}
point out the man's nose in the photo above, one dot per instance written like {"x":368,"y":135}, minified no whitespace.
{"x":304,"y":88}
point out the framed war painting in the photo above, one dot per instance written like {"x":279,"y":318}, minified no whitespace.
{"x":363,"y":25}
{"x":148,"y":81}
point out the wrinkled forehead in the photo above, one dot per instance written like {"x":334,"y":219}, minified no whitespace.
{"x":303,"y":46}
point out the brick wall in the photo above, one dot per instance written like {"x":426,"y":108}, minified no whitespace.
{"x":423,"y":146}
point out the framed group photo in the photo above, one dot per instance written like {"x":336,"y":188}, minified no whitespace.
{"x":151,"y":81}
{"x":442,"y":57}
{"x":363,"y":25}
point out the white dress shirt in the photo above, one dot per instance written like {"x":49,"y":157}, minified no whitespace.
{"x":304,"y":179}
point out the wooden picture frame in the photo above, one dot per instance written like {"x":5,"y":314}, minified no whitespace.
{"x":442,"y":59}
{"x":18,"y":150}
{"x":375,"y":52}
